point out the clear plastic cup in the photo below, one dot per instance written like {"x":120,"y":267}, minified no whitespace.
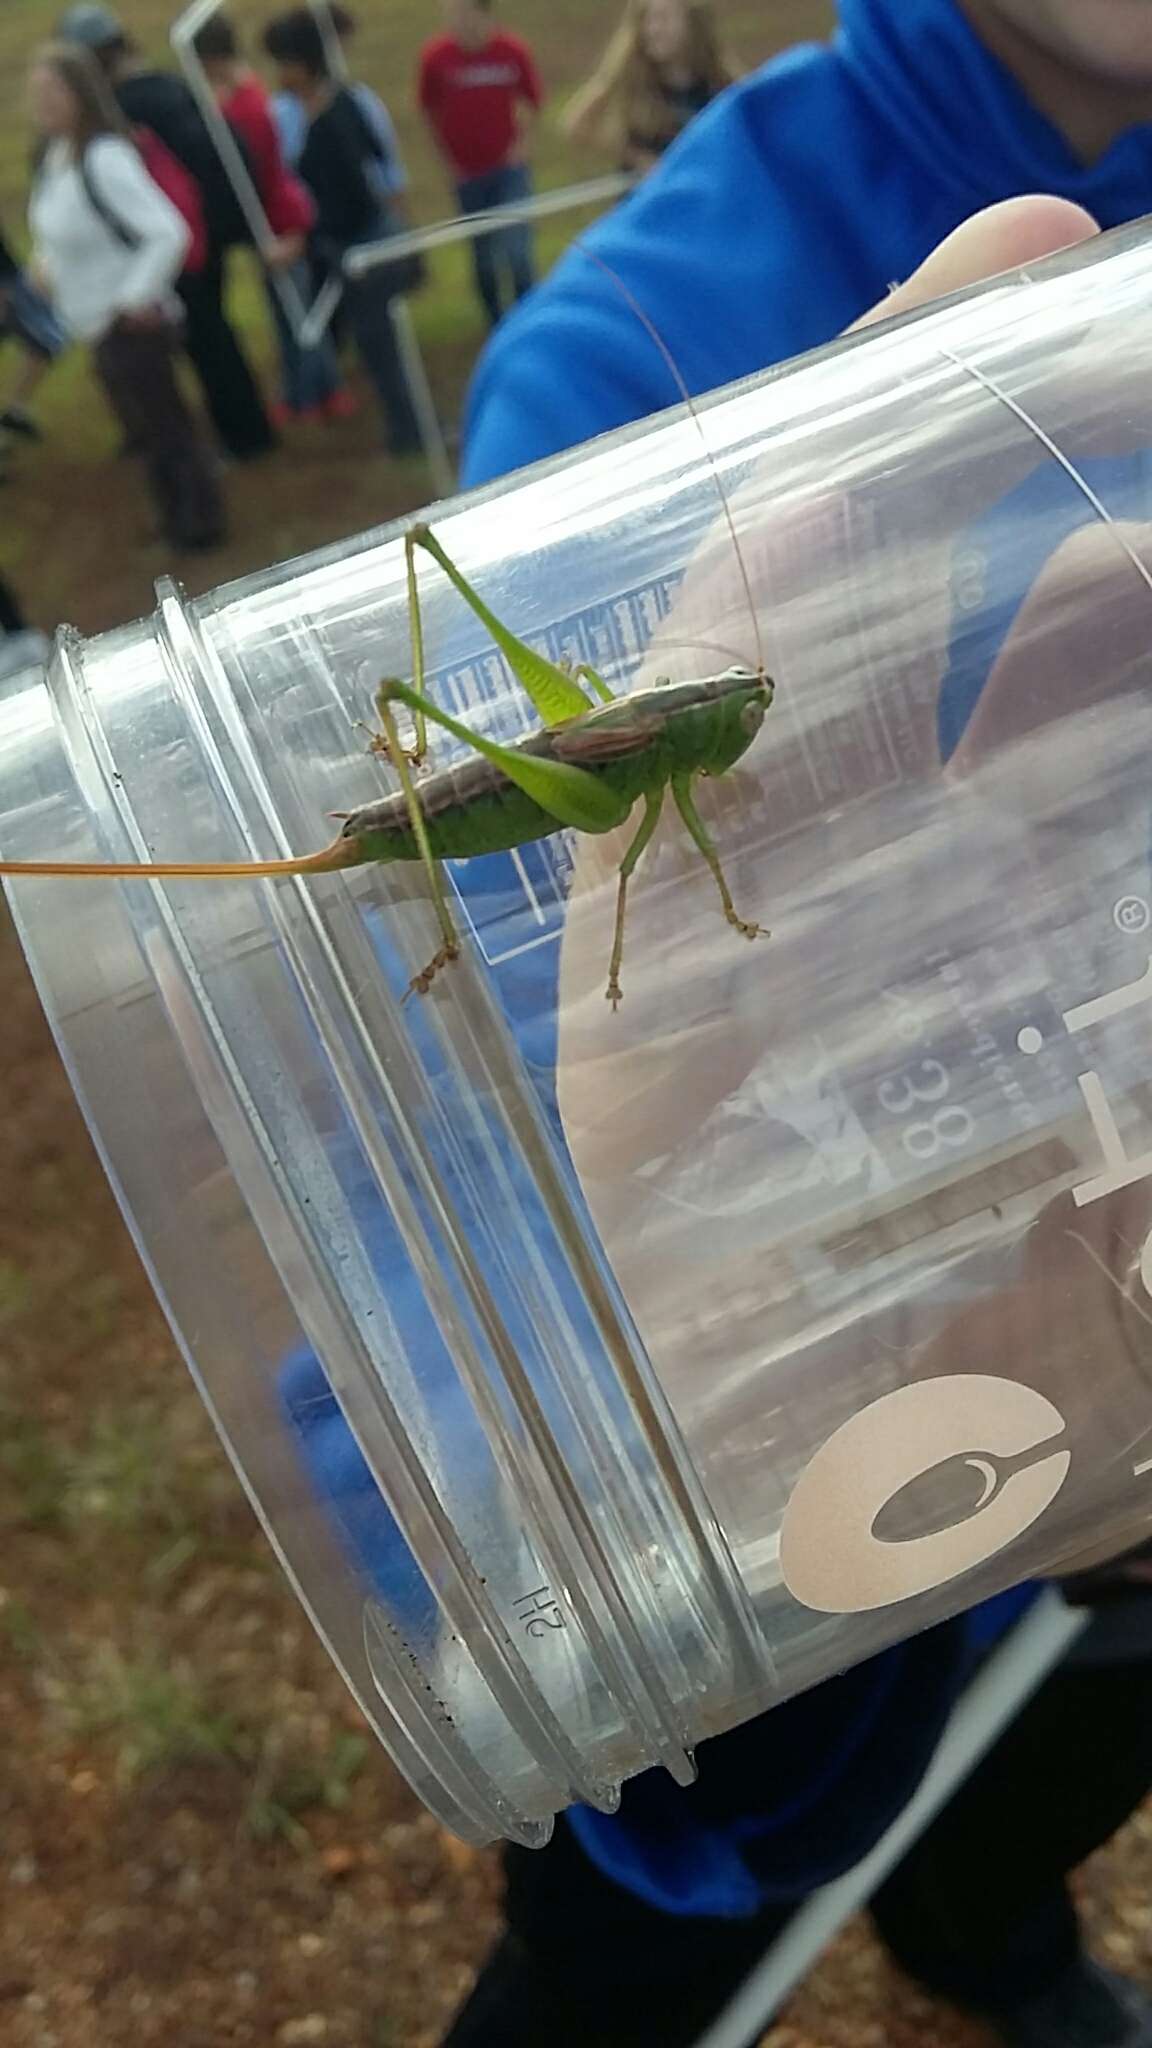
{"x":604,"y":1377}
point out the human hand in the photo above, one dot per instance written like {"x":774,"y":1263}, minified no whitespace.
{"x":143,"y":319}
{"x":283,"y":251}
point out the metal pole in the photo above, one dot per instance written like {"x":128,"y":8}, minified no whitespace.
{"x":993,"y":1699}
{"x":334,"y":55}
{"x":467,"y":226}
{"x":423,"y":403}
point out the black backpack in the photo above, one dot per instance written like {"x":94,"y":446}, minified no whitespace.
{"x":407,"y":273}
{"x":162,"y":102}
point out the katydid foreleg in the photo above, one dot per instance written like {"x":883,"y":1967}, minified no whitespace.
{"x":682,"y":795}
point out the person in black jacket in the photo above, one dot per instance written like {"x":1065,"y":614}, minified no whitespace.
{"x":162,"y":102}
{"x":340,"y":162}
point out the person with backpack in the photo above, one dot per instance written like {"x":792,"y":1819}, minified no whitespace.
{"x":159,"y":105}
{"x":109,"y":246}
{"x":311,"y":383}
{"x":340,"y":162}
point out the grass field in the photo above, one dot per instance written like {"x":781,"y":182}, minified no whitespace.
{"x":199,"y":1848}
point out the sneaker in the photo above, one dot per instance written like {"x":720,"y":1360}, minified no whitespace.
{"x":15,"y":420}
{"x":342,"y":405}
{"x":1087,"y":2007}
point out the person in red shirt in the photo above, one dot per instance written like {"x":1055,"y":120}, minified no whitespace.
{"x":478,"y":90}
{"x":312,"y":387}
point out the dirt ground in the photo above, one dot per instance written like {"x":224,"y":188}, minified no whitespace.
{"x":199,"y":1846}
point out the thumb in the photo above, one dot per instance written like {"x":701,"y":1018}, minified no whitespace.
{"x":1001,"y":238}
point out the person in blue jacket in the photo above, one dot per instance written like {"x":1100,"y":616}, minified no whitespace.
{"x":784,"y":214}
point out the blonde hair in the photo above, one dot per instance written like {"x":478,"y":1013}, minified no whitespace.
{"x":624,"y":94}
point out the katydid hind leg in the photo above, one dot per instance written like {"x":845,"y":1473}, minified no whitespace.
{"x":572,"y":795}
{"x":652,"y":806}
{"x":553,"y":693}
{"x":685,"y":804}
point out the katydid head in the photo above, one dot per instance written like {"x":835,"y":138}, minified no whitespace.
{"x":736,"y":717}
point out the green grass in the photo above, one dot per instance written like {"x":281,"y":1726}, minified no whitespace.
{"x":123,"y":1475}
{"x":152,"y":1714}
{"x":294,"y":1783}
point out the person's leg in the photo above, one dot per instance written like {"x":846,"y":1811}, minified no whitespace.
{"x":29,"y":319}
{"x":12,"y":619}
{"x":979,"y":1910}
{"x":475,"y":195}
{"x":586,"y":1965}
{"x":515,"y":246}
{"x":33,"y":369}
{"x":230,"y":388}
{"x":309,"y":376}
{"x":137,"y":368}
{"x":369,"y":317}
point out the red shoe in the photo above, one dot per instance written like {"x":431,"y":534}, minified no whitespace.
{"x":343,"y":404}
{"x":282,"y":415}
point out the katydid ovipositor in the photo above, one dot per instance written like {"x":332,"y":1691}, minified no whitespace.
{"x":586,"y":769}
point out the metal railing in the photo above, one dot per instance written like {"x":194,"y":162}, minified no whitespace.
{"x":310,"y":323}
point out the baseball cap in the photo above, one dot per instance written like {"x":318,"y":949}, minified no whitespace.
{"x":93,"y":27}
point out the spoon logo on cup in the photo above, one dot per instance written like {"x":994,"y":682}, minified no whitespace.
{"x":1001,"y":1435}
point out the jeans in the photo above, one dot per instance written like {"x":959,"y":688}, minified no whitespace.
{"x":506,"y":253}
{"x":308,"y":376}
{"x":137,"y":367}
{"x":368,"y":305}
{"x":26,"y":314}
{"x":230,"y":389}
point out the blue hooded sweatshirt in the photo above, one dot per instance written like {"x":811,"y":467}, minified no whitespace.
{"x":786,"y":210}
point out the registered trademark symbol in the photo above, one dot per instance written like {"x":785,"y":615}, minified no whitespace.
{"x":1131,"y":914}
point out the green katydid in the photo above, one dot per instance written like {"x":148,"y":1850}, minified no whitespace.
{"x":586,"y":769}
